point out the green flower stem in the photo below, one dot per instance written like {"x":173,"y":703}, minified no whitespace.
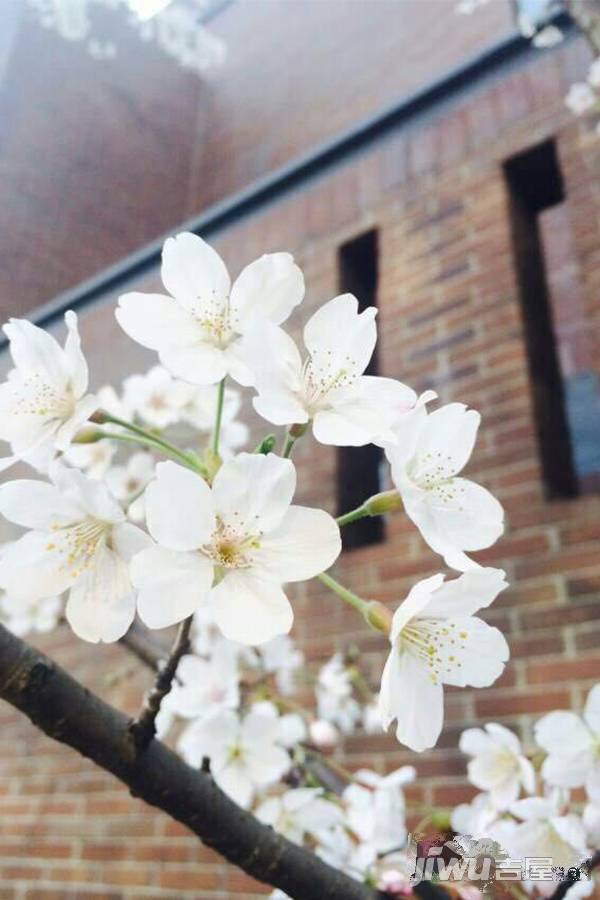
{"x":288,"y":446}
{"x":347,"y":596}
{"x":377,"y":505}
{"x":359,"y":513}
{"x":147,"y":440}
{"x":218,"y":418}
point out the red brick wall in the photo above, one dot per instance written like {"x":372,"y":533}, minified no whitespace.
{"x":450,"y":320}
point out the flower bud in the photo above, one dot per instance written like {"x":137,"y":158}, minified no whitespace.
{"x":323,"y":734}
{"x":298,"y":429}
{"x":266,"y":445}
{"x":379,"y":617}
{"x":386,"y":501}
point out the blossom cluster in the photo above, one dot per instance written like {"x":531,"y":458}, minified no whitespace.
{"x":583,"y":98}
{"x":149,"y":508}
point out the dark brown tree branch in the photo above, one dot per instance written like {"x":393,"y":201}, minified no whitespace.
{"x":143,"y":728}
{"x":69,"y":713}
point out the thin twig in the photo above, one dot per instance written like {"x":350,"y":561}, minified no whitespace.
{"x":143,"y":728}
{"x":145,"y":648}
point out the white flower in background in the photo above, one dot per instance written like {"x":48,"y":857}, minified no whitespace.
{"x":300,"y":812}
{"x":79,"y":541}
{"x":127,"y":481}
{"x":94,"y":459}
{"x":572,"y":743}
{"x":591,"y":822}
{"x":112,"y":403}
{"x":594,"y":74}
{"x":498,"y":765}
{"x":453,"y":514}
{"x":43,"y":403}
{"x":155,"y":397}
{"x":346,"y":408}
{"x":281,"y":657}
{"x":581,"y":98}
{"x":199,"y":410}
{"x":233,"y":546}
{"x":335,"y":702}
{"x":376,"y":808}
{"x":580,"y":889}
{"x":204,"y":686}
{"x":337,"y":848}
{"x":23,"y":615}
{"x":436,"y":639}
{"x":291,"y":727}
{"x":323,"y":735}
{"x":475,"y":818}
{"x":196,"y":331}
{"x":244,"y":756}
{"x":545,"y":833}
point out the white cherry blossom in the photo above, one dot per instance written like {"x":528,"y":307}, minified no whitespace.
{"x":475,"y":818}
{"x":334,"y":693}
{"x":233,"y":546}
{"x":199,"y":408}
{"x":281,"y":657}
{"x":545,"y":832}
{"x":572,"y":743}
{"x":328,"y":388}
{"x":376,"y":808}
{"x":126,"y":482}
{"x":300,"y":812}
{"x":155,"y":397}
{"x":453,"y":514}
{"x":24,"y":615}
{"x":44,"y":402}
{"x":498,"y":765}
{"x":79,"y":541}
{"x":204,"y":686}
{"x":196,"y":330}
{"x":581,"y":98}
{"x":94,"y":458}
{"x":244,"y":756}
{"x":436,"y":639}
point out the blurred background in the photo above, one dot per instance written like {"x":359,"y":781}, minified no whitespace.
{"x":421,"y":158}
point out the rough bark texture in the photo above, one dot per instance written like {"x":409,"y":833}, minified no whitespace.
{"x":69,"y":713}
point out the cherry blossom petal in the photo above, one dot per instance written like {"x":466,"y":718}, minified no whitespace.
{"x":267,"y":765}
{"x":128,"y":539}
{"x":193,"y":272}
{"x":101,"y":604}
{"x":474,"y":653}
{"x":236,"y":782}
{"x":249,"y":609}
{"x":179,"y":508}
{"x":75,"y":361}
{"x":271,"y":286}
{"x":92,"y":496}
{"x":351,"y":424}
{"x":253,"y":490}
{"x":463,"y":596}
{"x":591,"y":712}
{"x":273,"y":357}
{"x":280,"y":408}
{"x":83,"y":410}
{"x":37,"y":504}
{"x":338,"y":327}
{"x":562,"y":733}
{"x":155,"y":321}
{"x":36,"y":353}
{"x":32,"y":566}
{"x":410,"y":696}
{"x":198,"y":364}
{"x":306,"y":542}
{"x":447,"y":440}
{"x":171,"y":585}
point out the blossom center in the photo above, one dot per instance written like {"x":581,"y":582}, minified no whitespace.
{"x":230,"y":547}
{"x":77,"y":544}
{"x":215,"y":319}
{"x":323,"y":374}
{"x":37,"y":397}
{"x":436,"y":643}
